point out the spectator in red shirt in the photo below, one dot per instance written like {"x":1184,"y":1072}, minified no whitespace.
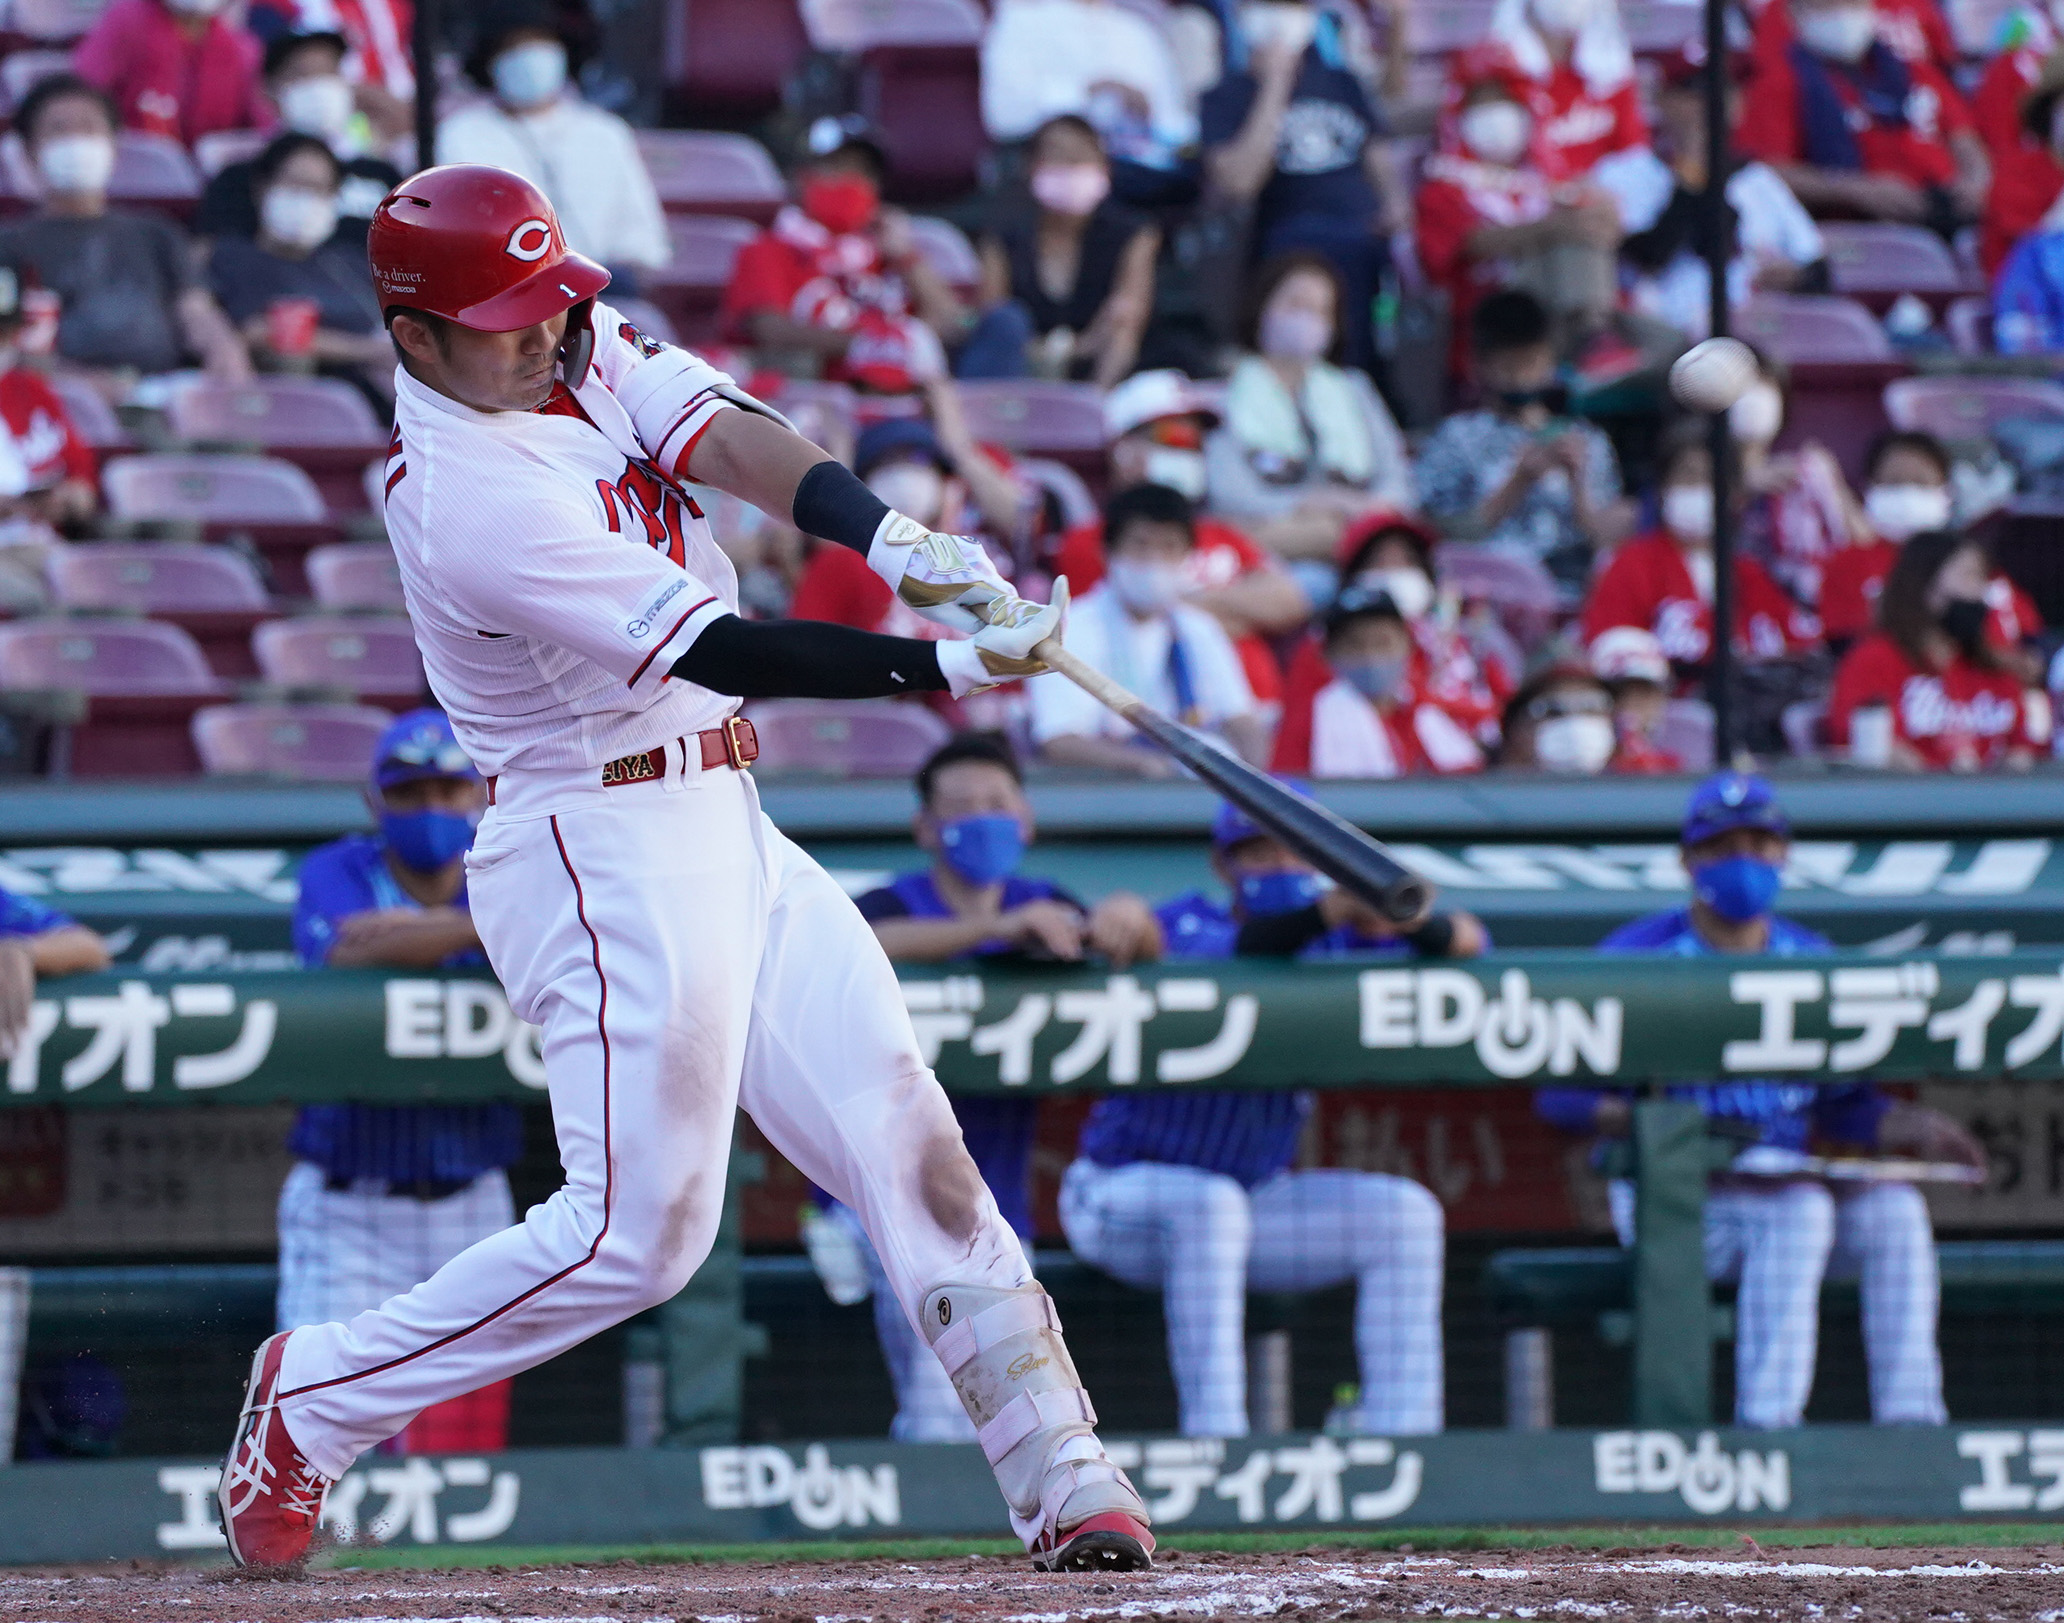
{"x":1632,"y":665}
{"x":175,"y":68}
{"x":1572,"y":65}
{"x":1800,"y":511}
{"x":1373,"y":720}
{"x":1918,"y":32}
{"x":836,"y":286}
{"x":1939,"y":694}
{"x":2014,"y":108}
{"x":1663,"y":581}
{"x":1905,"y":491}
{"x":1155,"y":424}
{"x":1854,"y":129}
{"x":63,"y":474}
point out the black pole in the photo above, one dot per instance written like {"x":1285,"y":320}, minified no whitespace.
{"x":424,"y":47}
{"x":1719,"y":249}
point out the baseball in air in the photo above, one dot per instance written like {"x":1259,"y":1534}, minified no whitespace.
{"x":1712,"y":376}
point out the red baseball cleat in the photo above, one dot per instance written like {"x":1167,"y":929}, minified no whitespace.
{"x":1111,"y":1542}
{"x":271,"y":1497}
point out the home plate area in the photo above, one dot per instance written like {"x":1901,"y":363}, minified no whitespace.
{"x":1815,"y":1585}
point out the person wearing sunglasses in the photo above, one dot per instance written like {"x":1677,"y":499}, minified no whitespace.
{"x":382,"y":1196}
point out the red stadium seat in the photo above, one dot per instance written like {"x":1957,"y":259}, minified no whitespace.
{"x":151,"y":171}
{"x":371,"y":658}
{"x":727,"y":60}
{"x":1061,"y":420}
{"x":1969,"y":408}
{"x":1812,"y":328}
{"x":356,"y":577}
{"x":1876,"y":262}
{"x":1686,"y":731}
{"x":54,"y":22}
{"x":143,"y":681}
{"x":1659,"y":29}
{"x":1449,"y":26}
{"x":1840,"y":362}
{"x":90,"y":413}
{"x":710,"y":172}
{"x":321,"y":425}
{"x":828,"y":413}
{"x":1968,"y":322}
{"x":919,"y":85}
{"x":272,"y":503}
{"x":691,"y":286}
{"x":875,"y":738}
{"x":316,"y":743}
{"x":1518,"y":589}
{"x":218,"y":149}
{"x":20,"y":73}
{"x":212,"y":593}
{"x":1064,"y":485}
{"x":947,"y":250}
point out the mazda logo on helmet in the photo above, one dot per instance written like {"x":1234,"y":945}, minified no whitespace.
{"x":530,"y":240}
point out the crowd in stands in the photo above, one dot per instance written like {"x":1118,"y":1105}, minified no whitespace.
{"x":1375,"y":303}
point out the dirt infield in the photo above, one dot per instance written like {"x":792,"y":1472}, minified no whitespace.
{"x":1821,"y":1584}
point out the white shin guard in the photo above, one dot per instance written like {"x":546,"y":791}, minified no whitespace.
{"x":1004,"y":1353}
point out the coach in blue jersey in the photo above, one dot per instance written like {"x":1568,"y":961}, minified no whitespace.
{"x":975,"y":823}
{"x":1191,"y":1193}
{"x":1780,"y":1236}
{"x":382,"y":1196}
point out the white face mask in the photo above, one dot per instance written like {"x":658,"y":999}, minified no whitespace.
{"x":1688,"y":511}
{"x":1563,"y":16}
{"x":1178,"y":469}
{"x":1496,"y":131}
{"x":1756,"y":417}
{"x":1145,"y":588}
{"x":320,"y":107}
{"x":1408,"y":588}
{"x":1574,"y":743}
{"x":915,"y":489}
{"x":1295,"y":335}
{"x":298,"y":218}
{"x":532,"y":74}
{"x":1899,"y":511}
{"x":1269,"y":22}
{"x":1840,"y":33}
{"x":76,"y":163}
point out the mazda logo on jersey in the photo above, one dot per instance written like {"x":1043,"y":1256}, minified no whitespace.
{"x":530,"y":240}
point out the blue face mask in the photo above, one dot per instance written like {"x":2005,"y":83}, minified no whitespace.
{"x":1737,"y":888}
{"x":983,"y":849}
{"x":1264,"y":895}
{"x":425,"y":840}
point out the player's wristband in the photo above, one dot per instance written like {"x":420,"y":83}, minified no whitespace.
{"x":832,"y":504}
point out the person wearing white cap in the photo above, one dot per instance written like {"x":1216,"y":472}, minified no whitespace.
{"x":1632,"y":664}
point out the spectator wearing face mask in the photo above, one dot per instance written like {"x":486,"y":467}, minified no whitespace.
{"x":131,"y":300}
{"x":1462,"y":659}
{"x":1487,"y":216}
{"x":1519,"y":473}
{"x":298,"y":254}
{"x":1371,"y":720}
{"x":2024,"y":232}
{"x":1853,"y":128}
{"x":379,"y":57}
{"x":1800,"y":512}
{"x":1077,"y":266}
{"x":973,"y":906}
{"x":1156,"y":423}
{"x":1306,"y":443}
{"x":1927,"y":691}
{"x":1291,"y":131}
{"x":1777,"y":247}
{"x":1632,"y":665}
{"x":305,"y":82}
{"x":60,"y":476}
{"x":177,"y":68}
{"x":1560,"y":720}
{"x":2014,"y":110}
{"x":1662,"y":582}
{"x":1136,"y":628}
{"x":836,"y":287}
{"x":1096,"y":58}
{"x":535,"y":123}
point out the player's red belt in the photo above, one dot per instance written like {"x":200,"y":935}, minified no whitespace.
{"x":734,"y":744}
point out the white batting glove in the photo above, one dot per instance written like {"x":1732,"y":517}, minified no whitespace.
{"x":1002,"y":650}
{"x":947,"y":578}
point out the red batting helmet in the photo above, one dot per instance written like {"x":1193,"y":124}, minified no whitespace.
{"x":481,"y":246}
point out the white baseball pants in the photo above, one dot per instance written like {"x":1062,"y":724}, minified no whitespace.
{"x":1203,"y":1241}
{"x":1777,"y":1245}
{"x":683,"y":958}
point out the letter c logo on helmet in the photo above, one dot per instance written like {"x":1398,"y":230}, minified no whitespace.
{"x":530,"y":240}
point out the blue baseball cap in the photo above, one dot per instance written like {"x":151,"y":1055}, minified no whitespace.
{"x":1232,"y":825}
{"x":1730,"y":800}
{"x":896,"y":436}
{"x":420,"y":744}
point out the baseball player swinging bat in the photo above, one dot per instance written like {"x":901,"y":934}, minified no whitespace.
{"x":1339,"y":850}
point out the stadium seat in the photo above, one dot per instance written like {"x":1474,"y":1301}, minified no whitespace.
{"x":374,"y":659}
{"x":53,"y":22}
{"x":1968,"y":322}
{"x":1686,"y":731}
{"x":712,"y":172}
{"x":1518,"y":589}
{"x":918,"y":84}
{"x":21,"y":72}
{"x":151,"y":171}
{"x":90,"y":413}
{"x":1450,"y":26}
{"x":820,"y":409}
{"x":1655,"y":29}
{"x":350,"y":577}
{"x":1969,"y":408}
{"x":143,"y":681}
{"x":218,"y":149}
{"x":1840,"y":361}
{"x":874,"y":738}
{"x":691,"y":286}
{"x":728,"y":60}
{"x":1816,"y":329}
{"x":947,"y":250}
{"x":1875,"y":262}
{"x":1060,"y":420}
{"x":271,"y":501}
{"x":321,"y":425}
{"x":646,"y":316}
{"x":319,"y":743}
{"x":1064,"y":485}
{"x":212,"y":593}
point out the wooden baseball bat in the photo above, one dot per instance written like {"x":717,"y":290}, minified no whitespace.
{"x":1328,"y":842}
